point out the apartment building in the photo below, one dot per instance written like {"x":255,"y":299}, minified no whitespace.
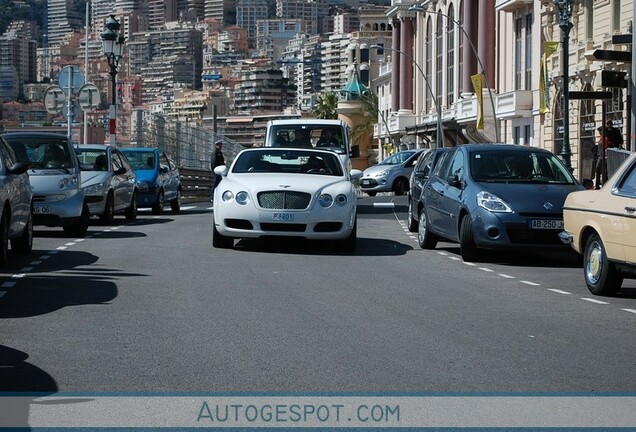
{"x":18,"y":55}
{"x":64,"y":17}
{"x":262,"y":89}
{"x":248,"y":13}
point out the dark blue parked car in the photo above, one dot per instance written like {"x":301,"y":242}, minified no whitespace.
{"x":158,"y":180}
{"x":495,"y":196}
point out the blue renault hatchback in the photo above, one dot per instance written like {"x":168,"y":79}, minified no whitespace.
{"x":495,"y":196}
{"x":158,"y":180}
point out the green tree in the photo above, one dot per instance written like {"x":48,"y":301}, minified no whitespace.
{"x":369,"y":116}
{"x":327,"y":106}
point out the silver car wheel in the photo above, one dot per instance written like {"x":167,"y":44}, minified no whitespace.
{"x":594,"y":264}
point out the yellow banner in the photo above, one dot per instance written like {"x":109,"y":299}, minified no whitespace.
{"x":478,"y":86}
{"x":549,"y":48}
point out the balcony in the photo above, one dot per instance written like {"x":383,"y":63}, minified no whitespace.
{"x":511,"y":5}
{"x":514,"y":104}
{"x":466,"y":109}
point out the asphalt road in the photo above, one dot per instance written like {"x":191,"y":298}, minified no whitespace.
{"x":151,"y":306}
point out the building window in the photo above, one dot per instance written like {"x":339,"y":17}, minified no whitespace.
{"x":589,"y":22}
{"x":527,"y":135}
{"x":439,"y":38}
{"x":516,"y":135}
{"x":518,"y":33}
{"x":528,"y":50}
{"x":429,"y":62}
{"x":450,"y":57}
{"x":460,"y":53}
{"x":616,"y":16}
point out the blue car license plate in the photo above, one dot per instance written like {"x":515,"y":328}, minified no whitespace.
{"x":545,"y":224}
{"x":283,"y":217}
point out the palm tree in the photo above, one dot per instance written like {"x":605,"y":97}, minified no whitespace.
{"x":327,"y":106}
{"x":369,"y":116}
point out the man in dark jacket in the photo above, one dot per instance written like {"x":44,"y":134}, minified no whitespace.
{"x":613,"y":135}
{"x":216,"y":160}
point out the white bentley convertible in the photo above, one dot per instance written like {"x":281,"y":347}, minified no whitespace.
{"x":285,"y":192}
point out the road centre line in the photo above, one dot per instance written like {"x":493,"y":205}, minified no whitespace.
{"x":61,"y":247}
{"x":505,"y":276}
{"x":36,"y":262}
{"x":69,"y":244}
{"x":486,"y":269}
{"x":591,"y":300}
{"x":558,"y":291}
{"x":18,"y":275}
{"x":530,"y":283}
{"x":26,"y":269}
{"x":2,"y":293}
{"x":470,"y":264}
{"x":630,"y":310}
{"x":454,"y":258}
{"x":9,"y":284}
{"x":384,"y":205}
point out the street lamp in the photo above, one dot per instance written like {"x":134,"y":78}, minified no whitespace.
{"x":113,"y":50}
{"x":439,"y":142}
{"x":417,"y":8}
{"x":565,"y":13}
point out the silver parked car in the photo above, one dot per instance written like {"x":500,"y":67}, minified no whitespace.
{"x":16,"y":220}
{"x":108,"y":182}
{"x":390,"y":175}
{"x":55,"y":177}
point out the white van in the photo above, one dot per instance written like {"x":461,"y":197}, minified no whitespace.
{"x":334,"y":135}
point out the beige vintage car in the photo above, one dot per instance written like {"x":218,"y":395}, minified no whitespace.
{"x":601,"y":225}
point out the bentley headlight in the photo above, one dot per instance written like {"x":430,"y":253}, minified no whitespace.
{"x":94,"y":189}
{"x":341,"y":200}
{"x":325,"y":200}
{"x":227,"y":196}
{"x":492,"y":203}
{"x":68,"y":183}
{"x":242,"y":197}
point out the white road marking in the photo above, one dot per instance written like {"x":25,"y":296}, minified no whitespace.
{"x":9,"y":284}
{"x":116,"y":228}
{"x":2,"y":293}
{"x":61,"y":247}
{"x":591,"y":300}
{"x":78,"y":240}
{"x":530,"y":283}
{"x":45,"y":257}
{"x":505,"y":276}
{"x":188,"y":207}
{"x":36,"y":262}
{"x":384,"y":205}
{"x":470,"y":264}
{"x":486,"y":269}
{"x":69,"y":244}
{"x":18,"y":275}
{"x":210,"y":208}
{"x":53,"y":252}
{"x":558,"y":291}
{"x":630,"y":310}
{"x":455,"y":258}
{"x":26,"y":269}
{"x":442,"y":253}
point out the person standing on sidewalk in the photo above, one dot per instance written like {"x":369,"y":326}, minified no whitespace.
{"x":216,"y":160}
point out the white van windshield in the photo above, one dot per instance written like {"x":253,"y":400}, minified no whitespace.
{"x":305,"y":136}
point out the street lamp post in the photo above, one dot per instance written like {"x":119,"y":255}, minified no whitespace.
{"x":113,"y":50}
{"x":417,"y":8}
{"x":565,"y":13}
{"x":439,"y":142}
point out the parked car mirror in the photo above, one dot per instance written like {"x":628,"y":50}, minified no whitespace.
{"x":454,"y":181}
{"x":163,"y":169}
{"x":18,"y":168}
{"x":220,"y":170}
{"x":120,"y":171}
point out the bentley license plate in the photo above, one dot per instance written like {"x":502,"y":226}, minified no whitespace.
{"x":283,"y":217}
{"x":549,"y":224}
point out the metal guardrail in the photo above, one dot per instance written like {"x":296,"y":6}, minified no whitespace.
{"x":195,"y":184}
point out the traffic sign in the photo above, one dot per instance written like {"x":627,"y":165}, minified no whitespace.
{"x":89,"y":97}
{"x":75,"y":111}
{"x":71,"y":77}
{"x":613,"y":79}
{"x":590,"y":95}
{"x":54,"y":99}
{"x":609,"y":55}
{"x":622,"y":39}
